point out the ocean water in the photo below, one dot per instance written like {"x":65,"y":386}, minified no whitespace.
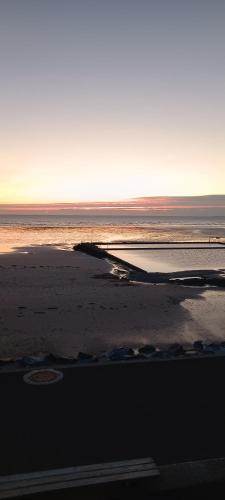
{"x":18,"y":232}
{"x":74,"y":220}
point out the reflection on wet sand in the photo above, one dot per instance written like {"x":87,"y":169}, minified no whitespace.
{"x":206,"y":316}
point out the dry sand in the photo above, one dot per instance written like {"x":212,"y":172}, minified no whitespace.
{"x":63,"y":302}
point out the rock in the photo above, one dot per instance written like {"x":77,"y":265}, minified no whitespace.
{"x":176,"y":349}
{"x":120,"y":353}
{"x":138,"y":356}
{"x":222,"y":346}
{"x":205,"y":349}
{"x":211,"y":348}
{"x":214,"y":346}
{"x":198,"y":345}
{"x":83,"y":356}
{"x":62,"y":358}
{"x":191,"y":352}
{"x":147,"y":349}
{"x":102,"y":356}
{"x":36,"y":359}
{"x":6,"y":360}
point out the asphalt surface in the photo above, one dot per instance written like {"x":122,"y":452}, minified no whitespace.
{"x":170,"y":410}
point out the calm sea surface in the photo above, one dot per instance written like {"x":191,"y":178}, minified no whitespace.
{"x":21,"y":231}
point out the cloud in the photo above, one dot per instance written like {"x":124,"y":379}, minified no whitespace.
{"x":164,"y":205}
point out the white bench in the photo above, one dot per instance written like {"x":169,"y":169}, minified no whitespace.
{"x":17,"y":485}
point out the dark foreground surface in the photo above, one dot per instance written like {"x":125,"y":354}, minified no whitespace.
{"x":173,"y":411}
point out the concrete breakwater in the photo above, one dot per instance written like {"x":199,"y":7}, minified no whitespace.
{"x":101,"y":253}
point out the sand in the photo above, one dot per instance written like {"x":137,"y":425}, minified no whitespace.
{"x":64,"y":302}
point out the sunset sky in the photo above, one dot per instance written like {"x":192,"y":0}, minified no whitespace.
{"x":111,"y":100}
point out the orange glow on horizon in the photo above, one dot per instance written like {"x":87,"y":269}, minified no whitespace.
{"x":143,"y":205}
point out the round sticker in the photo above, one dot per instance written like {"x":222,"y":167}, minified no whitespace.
{"x":43,"y":377}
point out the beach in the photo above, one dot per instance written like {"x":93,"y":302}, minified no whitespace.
{"x":63,"y":302}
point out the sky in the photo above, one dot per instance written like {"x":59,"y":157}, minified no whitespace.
{"x":111,"y":100}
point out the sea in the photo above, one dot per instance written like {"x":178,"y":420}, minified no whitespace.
{"x":21,"y":231}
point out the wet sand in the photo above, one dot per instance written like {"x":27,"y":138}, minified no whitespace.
{"x":65,"y":302}
{"x":207,"y":315}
